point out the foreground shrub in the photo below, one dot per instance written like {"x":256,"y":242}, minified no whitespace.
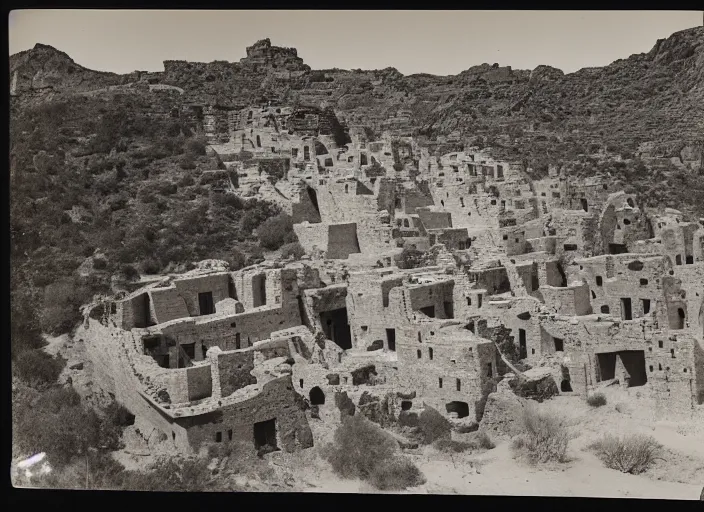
{"x":37,"y":368}
{"x":396,"y":474}
{"x":293,"y":249}
{"x":363,"y":450}
{"x":477,"y":441}
{"x":276,"y":231}
{"x":544,"y":438}
{"x":433,"y":425}
{"x":596,"y":400}
{"x":629,"y":454}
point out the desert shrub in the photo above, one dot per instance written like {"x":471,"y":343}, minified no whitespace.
{"x":395,"y":474}
{"x":358,"y":446}
{"x":629,"y":454}
{"x":150,"y":266}
{"x":433,"y":425}
{"x":596,"y":400}
{"x":276,"y":231}
{"x":187,"y":162}
{"x":447,"y":445}
{"x":294,"y":249}
{"x":37,"y":368}
{"x":62,"y":302}
{"x":195,"y":146}
{"x":361,"y":449}
{"x":25,"y":325}
{"x":129,"y":272}
{"x":119,"y":415}
{"x":544,"y":438}
{"x":477,"y":441}
{"x":176,"y":474}
{"x":236,"y":259}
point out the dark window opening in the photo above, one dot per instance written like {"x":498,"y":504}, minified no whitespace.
{"x":229,"y":435}
{"x":265,"y":435}
{"x":420,"y":354}
{"x":317,"y":397}
{"x":585,"y":207}
{"x":459,"y":384}
{"x":440,"y":382}
{"x":470,"y":326}
{"x":627,"y":366}
{"x":259,"y":141}
{"x":626,"y":313}
{"x":430,"y":353}
{"x":205,"y":303}
{"x":490,"y":370}
{"x":678,"y":259}
{"x":643,"y":282}
{"x":559,"y":345}
{"x":689,"y":260}
{"x":336,"y":327}
{"x":522,"y":343}
{"x":617,"y":249}
{"x":218,"y":437}
{"x":646,"y":306}
{"x":570,"y":247}
{"x":672,"y":353}
{"x":635,"y":266}
{"x":238,"y":341}
{"x":391,"y":339}
{"x":428,"y":311}
{"x":605,"y":309}
{"x":406,"y":405}
{"x":300,"y":382}
{"x":566,"y":384}
{"x":678,"y":321}
{"x":259,"y":290}
{"x":599,"y":281}
{"x":479,"y":300}
{"x":660,"y":344}
{"x":448,"y":306}
{"x":459,"y":408}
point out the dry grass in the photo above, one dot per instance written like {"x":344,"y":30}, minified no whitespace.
{"x":632,"y":454}
{"x":544,"y":438}
{"x":477,"y":441}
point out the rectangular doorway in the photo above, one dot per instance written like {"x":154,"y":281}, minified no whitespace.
{"x":522,"y":344}
{"x":626,"y":311}
{"x":336,"y":327}
{"x":265,"y":434}
{"x":391,"y":339}
{"x":205,"y":303}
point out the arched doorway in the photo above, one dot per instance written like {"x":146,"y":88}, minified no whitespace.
{"x":317,"y":397}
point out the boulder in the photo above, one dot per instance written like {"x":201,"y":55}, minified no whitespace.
{"x":503,"y":414}
{"x":538,"y":384}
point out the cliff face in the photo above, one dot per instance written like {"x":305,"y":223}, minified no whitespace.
{"x":654,"y":97}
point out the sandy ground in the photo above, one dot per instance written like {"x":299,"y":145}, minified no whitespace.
{"x":494,"y":472}
{"x":680,"y":475}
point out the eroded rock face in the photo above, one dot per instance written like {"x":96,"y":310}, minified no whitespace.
{"x":539,"y":384}
{"x":503,"y":414}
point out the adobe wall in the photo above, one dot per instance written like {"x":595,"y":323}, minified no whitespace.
{"x":669,"y":359}
{"x":342,"y":241}
{"x":277,"y":400}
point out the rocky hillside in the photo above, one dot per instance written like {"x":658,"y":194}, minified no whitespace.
{"x":656,"y":96}
{"x":115,"y":163}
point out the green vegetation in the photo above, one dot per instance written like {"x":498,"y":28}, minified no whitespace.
{"x":433,"y":425}
{"x":475,"y":441}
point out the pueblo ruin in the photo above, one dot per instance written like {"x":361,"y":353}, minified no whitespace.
{"x":422,"y":272}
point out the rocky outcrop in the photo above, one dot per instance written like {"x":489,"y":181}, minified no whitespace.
{"x":503,"y":414}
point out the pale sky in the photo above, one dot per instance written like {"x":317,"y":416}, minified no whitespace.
{"x":436,"y":42}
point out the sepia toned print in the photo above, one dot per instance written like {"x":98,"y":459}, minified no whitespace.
{"x":259,"y":276}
